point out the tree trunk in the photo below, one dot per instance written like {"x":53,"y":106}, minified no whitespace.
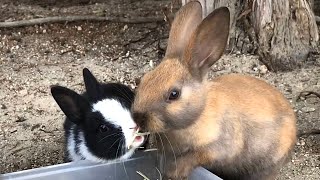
{"x":281,"y":32}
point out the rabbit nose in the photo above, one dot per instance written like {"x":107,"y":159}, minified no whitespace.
{"x":140,"y":118}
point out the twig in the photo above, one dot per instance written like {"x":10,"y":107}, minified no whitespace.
{"x":46,"y":131}
{"x":152,"y":149}
{"x":146,"y":35}
{"x":19,"y":150}
{"x":142,"y":175}
{"x":142,"y":133}
{"x":156,"y":40}
{"x":304,"y":94}
{"x":16,"y":145}
{"x":13,"y":131}
{"x":60,"y":19}
{"x":21,"y":119}
{"x":308,"y":133}
{"x":244,"y":13}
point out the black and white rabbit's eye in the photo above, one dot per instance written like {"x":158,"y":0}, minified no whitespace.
{"x":174,"y":94}
{"x":103,"y":128}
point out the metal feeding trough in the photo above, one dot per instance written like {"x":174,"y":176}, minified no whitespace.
{"x":142,"y":164}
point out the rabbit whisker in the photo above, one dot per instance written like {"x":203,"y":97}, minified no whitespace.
{"x":160,"y":178}
{"x":174,"y":155}
{"x":163,"y":149}
{"x":121,"y":141}
{"x":124,"y":167}
{"x":118,"y":148}
{"x":108,"y":136}
{"x":114,"y":143}
{"x":117,"y":157}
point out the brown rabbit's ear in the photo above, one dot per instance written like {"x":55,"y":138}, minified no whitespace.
{"x":208,"y":42}
{"x":184,"y":24}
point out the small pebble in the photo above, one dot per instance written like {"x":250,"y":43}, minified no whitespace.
{"x":151,"y":64}
{"x":127,"y":54}
{"x":3,"y":106}
{"x":132,"y":86}
{"x":125,"y":27}
{"x":307,"y":109}
{"x":121,"y":79}
{"x":79,"y":28}
{"x":301,"y":143}
{"x":263,"y":69}
{"x":23,"y":92}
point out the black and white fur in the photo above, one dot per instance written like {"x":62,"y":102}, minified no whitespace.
{"x":98,"y":125}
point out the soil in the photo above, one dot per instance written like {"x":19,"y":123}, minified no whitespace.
{"x":35,"y":57}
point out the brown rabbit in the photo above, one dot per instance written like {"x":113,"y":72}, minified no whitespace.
{"x":237,"y":126}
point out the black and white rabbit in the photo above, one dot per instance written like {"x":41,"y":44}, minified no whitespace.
{"x":98,"y":125}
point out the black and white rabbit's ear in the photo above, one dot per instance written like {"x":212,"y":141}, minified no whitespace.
{"x":71,"y":103}
{"x":92,"y":85}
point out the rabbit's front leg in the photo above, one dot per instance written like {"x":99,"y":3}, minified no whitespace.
{"x":181,"y":168}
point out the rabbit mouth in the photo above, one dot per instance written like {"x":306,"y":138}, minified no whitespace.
{"x":137,"y":142}
{"x":138,"y":138}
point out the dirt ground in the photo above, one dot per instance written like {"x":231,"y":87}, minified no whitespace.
{"x":35,"y":57}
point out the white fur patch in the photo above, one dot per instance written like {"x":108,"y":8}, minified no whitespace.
{"x":72,"y":147}
{"x":113,"y":112}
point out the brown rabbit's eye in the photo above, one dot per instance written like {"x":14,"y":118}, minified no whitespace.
{"x":174,"y":95}
{"x":103,"y":128}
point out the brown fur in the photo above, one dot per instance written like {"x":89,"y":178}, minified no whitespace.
{"x":237,"y":126}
